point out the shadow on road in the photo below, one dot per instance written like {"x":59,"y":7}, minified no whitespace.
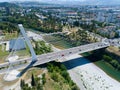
{"x":24,"y":70}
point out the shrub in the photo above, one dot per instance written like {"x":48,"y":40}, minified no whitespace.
{"x":107,"y":58}
{"x":43,"y":79}
{"x":54,"y":76}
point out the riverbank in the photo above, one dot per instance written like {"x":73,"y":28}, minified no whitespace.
{"x":88,"y":76}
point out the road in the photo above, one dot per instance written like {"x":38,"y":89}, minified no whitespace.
{"x":65,"y":53}
{"x":45,"y":58}
{"x":3,"y":42}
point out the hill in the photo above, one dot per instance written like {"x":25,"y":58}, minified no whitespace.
{"x":6,"y":4}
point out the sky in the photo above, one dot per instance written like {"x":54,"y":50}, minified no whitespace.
{"x":73,"y":1}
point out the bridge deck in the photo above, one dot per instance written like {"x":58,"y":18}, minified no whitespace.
{"x":44,"y":58}
{"x":80,"y":49}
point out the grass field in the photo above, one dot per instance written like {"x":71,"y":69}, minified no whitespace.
{"x":9,"y":36}
{"x":58,"y":42}
{"x":21,"y":53}
{"x":3,"y":54}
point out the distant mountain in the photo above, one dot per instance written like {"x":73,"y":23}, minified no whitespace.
{"x":6,"y":4}
{"x":83,"y":2}
{"x":86,"y":2}
{"x":77,"y":2}
{"x":101,"y":2}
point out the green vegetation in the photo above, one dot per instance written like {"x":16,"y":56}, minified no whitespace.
{"x":56,"y":78}
{"x":112,"y":61}
{"x":35,"y":84}
{"x":43,"y":79}
{"x":23,"y":53}
{"x":41,"y":47}
{"x":100,"y":24}
{"x":90,"y":27}
{"x":8,"y":27}
{"x":94,"y":26}
{"x":3,"y":53}
{"x":11,"y":16}
{"x":33,"y":81}
{"x":58,"y":41}
{"x":31,"y":21}
{"x":58,"y":72}
{"x":77,"y":38}
{"x":6,"y":4}
{"x":9,"y":36}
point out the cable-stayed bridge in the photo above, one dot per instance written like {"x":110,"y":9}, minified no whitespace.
{"x":45,"y":58}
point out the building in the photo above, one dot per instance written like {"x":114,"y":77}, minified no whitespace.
{"x":17,"y":44}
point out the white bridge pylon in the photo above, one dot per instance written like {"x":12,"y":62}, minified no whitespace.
{"x":34,"y":57}
{"x":14,"y":74}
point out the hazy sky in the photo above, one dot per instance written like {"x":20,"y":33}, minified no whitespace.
{"x":61,"y":0}
{"x":42,"y":0}
{"x":49,"y":0}
{"x":73,"y":1}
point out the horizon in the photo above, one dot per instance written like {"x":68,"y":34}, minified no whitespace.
{"x":71,"y":2}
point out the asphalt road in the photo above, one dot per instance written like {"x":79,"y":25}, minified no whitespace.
{"x":45,"y":58}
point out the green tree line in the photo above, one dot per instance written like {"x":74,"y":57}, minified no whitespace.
{"x":112,"y":61}
{"x":31,"y":21}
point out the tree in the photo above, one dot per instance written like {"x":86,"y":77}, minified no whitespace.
{"x":115,"y":63}
{"x":118,"y":67}
{"x":50,"y":67}
{"x":39,"y":87}
{"x":76,"y":23}
{"x":74,"y":87}
{"x":64,"y":74}
{"x":107,"y":58}
{"x":43,"y":79}
{"x":41,"y":47}
{"x":54,"y":76}
{"x":62,"y":67}
{"x":22,"y":83}
{"x":33,"y":81}
{"x":116,"y":35}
